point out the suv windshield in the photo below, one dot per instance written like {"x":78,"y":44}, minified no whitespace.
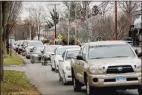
{"x":34,"y":43}
{"x":110,"y":51}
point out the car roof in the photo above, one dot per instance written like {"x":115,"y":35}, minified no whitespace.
{"x":68,"y":46}
{"x":107,"y":42}
{"x":53,"y":45}
{"x":39,"y":46}
{"x":34,"y":41}
{"x":73,"y":49}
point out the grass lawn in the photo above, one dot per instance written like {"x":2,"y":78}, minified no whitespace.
{"x":16,"y":84}
{"x":12,"y":60}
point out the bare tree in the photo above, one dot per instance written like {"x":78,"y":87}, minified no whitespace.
{"x":129,"y":8}
{"x":35,"y":17}
{"x":12,"y":19}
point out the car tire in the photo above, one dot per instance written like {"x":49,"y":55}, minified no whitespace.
{"x":76,"y":85}
{"x":19,"y":52}
{"x":140,"y":90}
{"x":52,"y":69}
{"x":27,"y":57}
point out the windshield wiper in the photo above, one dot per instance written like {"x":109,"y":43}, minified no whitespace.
{"x":98,"y":58}
{"x":121,"y":56}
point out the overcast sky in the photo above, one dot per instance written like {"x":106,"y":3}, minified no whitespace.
{"x":60,"y":7}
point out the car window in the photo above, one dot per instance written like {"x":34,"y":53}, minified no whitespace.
{"x":60,"y":51}
{"x":110,"y":51}
{"x":72,"y":54}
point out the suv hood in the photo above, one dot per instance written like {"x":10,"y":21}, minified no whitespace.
{"x":114,"y":61}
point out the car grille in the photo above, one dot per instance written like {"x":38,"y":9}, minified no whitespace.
{"x":119,"y":69}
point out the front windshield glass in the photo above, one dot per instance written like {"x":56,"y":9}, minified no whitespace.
{"x":72,"y":54}
{"x":50,"y":48}
{"x":38,"y":49}
{"x":110,"y":51}
{"x":60,"y":51}
{"x":35,"y":43}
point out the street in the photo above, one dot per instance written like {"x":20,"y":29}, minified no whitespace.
{"x":47,"y":82}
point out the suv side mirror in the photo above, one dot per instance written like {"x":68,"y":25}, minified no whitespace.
{"x":79,"y":57}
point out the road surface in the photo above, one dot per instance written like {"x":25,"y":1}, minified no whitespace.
{"x":47,"y":82}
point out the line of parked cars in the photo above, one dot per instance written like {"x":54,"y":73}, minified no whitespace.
{"x":96,"y":65}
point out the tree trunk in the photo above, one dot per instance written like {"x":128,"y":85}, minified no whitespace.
{"x":1,"y":45}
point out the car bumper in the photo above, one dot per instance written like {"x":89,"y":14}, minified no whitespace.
{"x":110,"y":80}
{"x":68,"y":76}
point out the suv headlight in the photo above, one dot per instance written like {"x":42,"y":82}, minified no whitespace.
{"x":97,"y":69}
{"x":138,"y":68}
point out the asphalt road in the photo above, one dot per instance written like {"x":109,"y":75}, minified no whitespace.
{"x":47,"y":82}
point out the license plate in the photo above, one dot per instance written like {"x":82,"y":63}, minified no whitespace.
{"x":120,"y":79}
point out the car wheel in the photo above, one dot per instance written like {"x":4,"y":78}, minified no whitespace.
{"x":140,"y":90}
{"x":18,"y":52}
{"x":76,"y":85}
{"x":27,"y":57}
{"x":52,"y":69}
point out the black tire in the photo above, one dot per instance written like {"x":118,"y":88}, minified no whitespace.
{"x":140,"y":90}
{"x":27,"y":57}
{"x":76,"y":85}
{"x":52,"y":69}
{"x":19,"y":52}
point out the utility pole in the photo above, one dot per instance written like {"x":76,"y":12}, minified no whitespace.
{"x":141,"y":29}
{"x":86,"y":19}
{"x":75,"y":24}
{"x":30,"y":23}
{"x":69,"y":26}
{"x":55,"y":20}
{"x":116,"y":35}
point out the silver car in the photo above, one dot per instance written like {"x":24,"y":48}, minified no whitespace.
{"x":35,"y":55}
{"x":30,"y":45}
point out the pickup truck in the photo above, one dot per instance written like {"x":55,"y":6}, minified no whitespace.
{"x":106,"y":64}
